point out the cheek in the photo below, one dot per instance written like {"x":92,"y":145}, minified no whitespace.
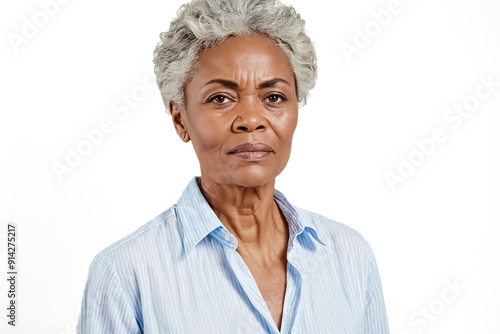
{"x":285,"y":128}
{"x":206,"y":134}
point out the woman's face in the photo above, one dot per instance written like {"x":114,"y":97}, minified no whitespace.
{"x":241,"y":111}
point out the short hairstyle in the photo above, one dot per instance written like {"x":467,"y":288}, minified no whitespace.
{"x":202,"y":24}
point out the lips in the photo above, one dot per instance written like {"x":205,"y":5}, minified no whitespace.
{"x":251,"y":148}
{"x":251,"y":152}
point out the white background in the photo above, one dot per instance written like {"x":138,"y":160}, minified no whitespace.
{"x":438,"y":227}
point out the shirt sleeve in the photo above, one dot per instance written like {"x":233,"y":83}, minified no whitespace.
{"x":375,"y":319}
{"x":106,"y":308}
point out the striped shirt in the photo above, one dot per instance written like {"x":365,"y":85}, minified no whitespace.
{"x":181,"y":273}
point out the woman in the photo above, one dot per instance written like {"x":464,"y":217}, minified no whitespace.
{"x":233,"y":255}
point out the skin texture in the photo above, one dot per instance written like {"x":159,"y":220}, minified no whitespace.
{"x":244,"y":92}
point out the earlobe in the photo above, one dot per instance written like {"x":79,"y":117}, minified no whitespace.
{"x":177,"y":118}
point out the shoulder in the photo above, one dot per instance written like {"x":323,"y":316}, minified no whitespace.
{"x":320,"y":227}
{"x":112,"y":292}
{"x":341,"y":238}
{"x":137,"y":246}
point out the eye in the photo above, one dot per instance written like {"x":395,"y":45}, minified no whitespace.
{"x":276,"y":98}
{"x":219,"y":99}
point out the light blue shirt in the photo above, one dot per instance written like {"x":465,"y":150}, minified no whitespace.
{"x":181,"y":273}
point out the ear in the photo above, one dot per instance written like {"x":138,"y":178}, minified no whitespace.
{"x":177,"y":118}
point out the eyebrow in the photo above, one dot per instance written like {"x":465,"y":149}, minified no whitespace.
{"x":232,"y":84}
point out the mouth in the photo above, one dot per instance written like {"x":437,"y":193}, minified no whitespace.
{"x":251,"y":151}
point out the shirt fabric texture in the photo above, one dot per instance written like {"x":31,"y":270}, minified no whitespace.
{"x":181,"y":273}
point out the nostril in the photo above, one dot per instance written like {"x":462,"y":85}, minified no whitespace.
{"x":242,"y":128}
{"x":259,"y":127}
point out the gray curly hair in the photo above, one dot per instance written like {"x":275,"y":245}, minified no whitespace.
{"x":202,"y":24}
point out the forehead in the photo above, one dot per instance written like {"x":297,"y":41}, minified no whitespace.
{"x":246,"y":55}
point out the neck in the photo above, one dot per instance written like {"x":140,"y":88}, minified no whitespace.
{"x":249,"y":213}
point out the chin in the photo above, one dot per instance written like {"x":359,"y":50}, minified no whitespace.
{"x":254,"y":176}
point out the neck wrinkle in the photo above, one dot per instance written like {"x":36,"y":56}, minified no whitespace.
{"x":250,"y":214}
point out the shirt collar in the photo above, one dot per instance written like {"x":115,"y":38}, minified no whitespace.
{"x":298,"y":220}
{"x":198,"y":219}
{"x":196,"y":216}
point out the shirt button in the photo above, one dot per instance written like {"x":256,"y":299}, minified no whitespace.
{"x":228,"y":237}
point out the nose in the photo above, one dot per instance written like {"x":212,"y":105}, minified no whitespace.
{"x":249,"y":117}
